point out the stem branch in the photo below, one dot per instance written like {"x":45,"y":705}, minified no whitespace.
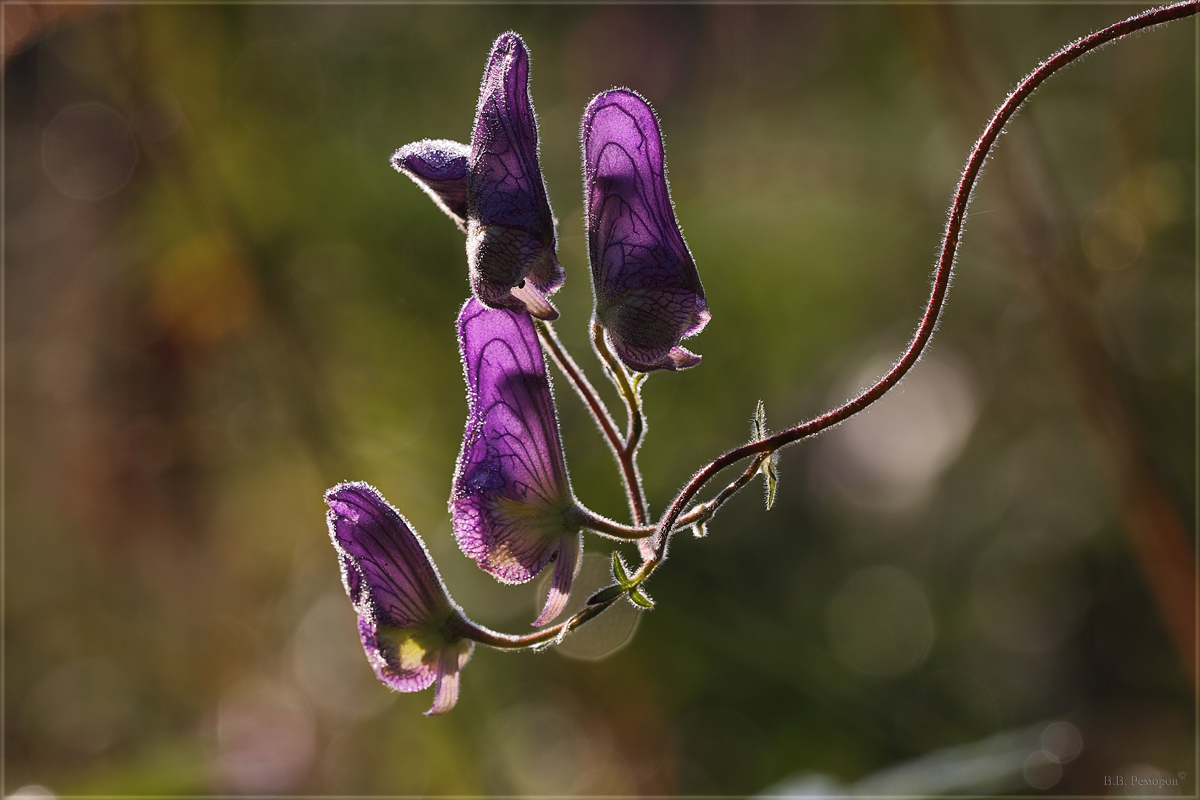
{"x":636,"y":425}
{"x":580,"y":383}
{"x":530,"y":641}
{"x":941,"y":280}
{"x":622,"y":451}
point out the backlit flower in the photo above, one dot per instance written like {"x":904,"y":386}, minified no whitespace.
{"x":411,"y":630}
{"x":512,"y":505}
{"x":494,"y":189}
{"x":648,"y":295}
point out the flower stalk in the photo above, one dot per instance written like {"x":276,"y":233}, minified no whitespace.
{"x":541,"y":638}
{"x":512,"y":505}
{"x":625,"y":455}
{"x":941,"y":278}
{"x":635,"y":425}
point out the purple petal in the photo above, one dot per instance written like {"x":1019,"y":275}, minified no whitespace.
{"x":386,"y":569}
{"x":351,"y":579}
{"x":648,"y":293}
{"x":566,"y":567}
{"x":511,"y":497}
{"x":535,"y":301}
{"x":402,"y":605}
{"x":449,"y":665}
{"x":442,"y":168}
{"x":511,"y":540}
{"x":402,"y":668}
{"x":645,"y":326}
{"x":511,"y":235}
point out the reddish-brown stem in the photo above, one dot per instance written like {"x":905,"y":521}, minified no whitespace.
{"x":636,"y":425}
{"x":581,"y":384}
{"x":466,"y":629}
{"x":1039,"y":242}
{"x":941,"y":280}
{"x":622,"y":451}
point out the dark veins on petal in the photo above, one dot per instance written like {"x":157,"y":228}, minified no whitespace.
{"x":511,"y":485}
{"x":386,"y":569}
{"x":506,"y":181}
{"x":648,"y":292}
{"x":510,"y":232}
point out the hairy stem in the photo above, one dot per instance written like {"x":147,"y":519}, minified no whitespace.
{"x":630,"y":392}
{"x":586,"y":518}
{"x":941,"y":279}
{"x":508,"y":641}
{"x":1041,"y":246}
{"x":580,"y":383}
{"x":635,"y":427}
{"x":625,"y":455}
{"x":699,"y":513}
{"x":705,"y":511}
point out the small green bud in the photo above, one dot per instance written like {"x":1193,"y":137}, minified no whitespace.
{"x":771,"y":472}
{"x":758,"y":423}
{"x":606,"y":595}
{"x":620,"y":571}
{"x":640,"y":598}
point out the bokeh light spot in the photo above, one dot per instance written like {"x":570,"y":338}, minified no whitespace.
{"x":89,"y":151}
{"x":1112,"y":238}
{"x":607,"y":633}
{"x":1042,"y":770}
{"x":1062,"y":740}
{"x":266,"y":738}
{"x":85,"y":706}
{"x":19,"y":24}
{"x":880,"y":622}
{"x":889,"y":457}
{"x":327,"y":659}
{"x":542,"y":751}
{"x":31,"y":792}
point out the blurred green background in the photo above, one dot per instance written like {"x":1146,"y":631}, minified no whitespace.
{"x":221,"y":300}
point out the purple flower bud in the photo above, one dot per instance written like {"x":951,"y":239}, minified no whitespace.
{"x":410,"y":628}
{"x":512,"y":504}
{"x":647,"y":291}
{"x":497,"y":194}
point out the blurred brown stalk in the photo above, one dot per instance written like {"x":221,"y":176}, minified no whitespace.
{"x":1042,"y":243}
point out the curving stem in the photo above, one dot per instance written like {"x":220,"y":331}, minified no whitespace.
{"x":579,"y":381}
{"x":630,"y":390}
{"x":698,"y":514}
{"x":466,"y":629}
{"x":941,"y":280}
{"x":625,"y":455}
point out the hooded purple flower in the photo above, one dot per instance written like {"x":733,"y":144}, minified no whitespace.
{"x":647,"y":291}
{"x":410,"y":627}
{"x":512,"y":505}
{"x":494,"y":189}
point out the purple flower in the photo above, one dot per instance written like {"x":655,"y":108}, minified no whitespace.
{"x":411,"y":630}
{"x":494,"y":189}
{"x":647,"y":291}
{"x":512,"y":505}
